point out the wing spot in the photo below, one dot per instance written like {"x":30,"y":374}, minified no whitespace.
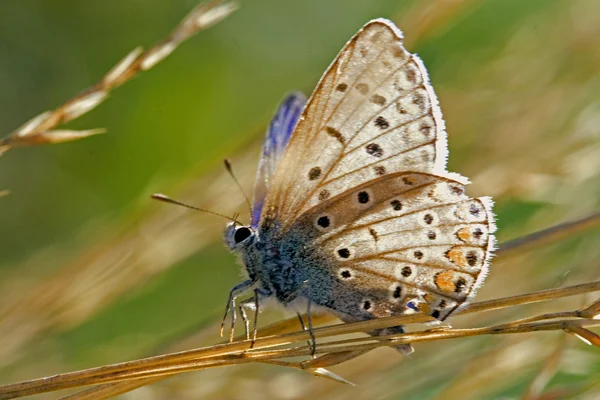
{"x":323,"y":222}
{"x":474,"y":210}
{"x":396,"y":205}
{"x":397,"y":292}
{"x":382,"y":123}
{"x":324,"y":194}
{"x":363,"y":88}
{"x":433,"y":195}
{"x":400,"y":108}
{"x":374,"y":149}
{"x":406,"y":271}
{"x":366,"y":305}
{"x":344,"y":253}
{"x":334,"y":133}
{"x":418,"y":254}
{"x":411,"y":75}
{"x":407,"y":181}
{"x":379,"y":170}
{"x":444,"y":281}
{"x":463,"y":234}
{"x":363,"y":197}
{"x":425,"y":129}
{"x":471,"y":258}
{"x":345,"y":274}
{"x":457,"y":190}
{"x":456,"y":256}
{"x":373,"y":233}
{"x":431,"y":235}
{"x":429,"y":298}
{"x":314,"y":173}
{"x":398,"y":52}
{"x":460,"y":285}
{"x":436,"y":314}
{"x":341,"y":87}
{"x":419,"y":101}
{"x":428,"y":218}
{"x":378,"y":99}
{"x":477,"y":233}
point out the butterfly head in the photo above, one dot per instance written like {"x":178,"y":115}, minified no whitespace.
{"x":238,"y":236}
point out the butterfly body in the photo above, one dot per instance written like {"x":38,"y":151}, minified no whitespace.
{"x":278,"y":266}
{"x":354,"y":211}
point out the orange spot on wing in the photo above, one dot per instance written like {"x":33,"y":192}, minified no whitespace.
{"x":445,"y":281}
{"x":464,"y":234}
{"x":424,"y":308}
{"x":457,"y":256}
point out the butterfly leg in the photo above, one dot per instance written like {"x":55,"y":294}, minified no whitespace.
{"x":249,"y":303}
{"x":301,"y":321}
{"x":257,"y":293}
{"x":313,"y":339}
{"x":233,"y":294}
{"x":304,"y":328}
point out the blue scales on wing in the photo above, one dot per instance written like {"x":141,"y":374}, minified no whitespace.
{"x":277,"y":137}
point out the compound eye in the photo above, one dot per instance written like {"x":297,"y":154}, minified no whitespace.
{"x":241,"y":234}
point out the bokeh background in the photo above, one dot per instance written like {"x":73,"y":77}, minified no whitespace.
{"x":92,"y":271}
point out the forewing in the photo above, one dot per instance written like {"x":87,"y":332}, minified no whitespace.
{"x":276,"y":140}
{"x":405,"y":242}
{"x":373,"y":113}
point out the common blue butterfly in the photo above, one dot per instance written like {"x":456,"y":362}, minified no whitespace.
{"x":353,"y":209}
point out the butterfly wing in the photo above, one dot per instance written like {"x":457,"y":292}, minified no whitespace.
{"x":373,"y":113}
{"x":276,"y":139}
{"x":402,"y":243}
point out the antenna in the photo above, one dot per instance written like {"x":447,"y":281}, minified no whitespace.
{"x":230,"y":170}
{"x":167,"y":199}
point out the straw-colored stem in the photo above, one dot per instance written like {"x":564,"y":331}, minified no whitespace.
{"x":41,"y":128}
{"x":239,"y":352}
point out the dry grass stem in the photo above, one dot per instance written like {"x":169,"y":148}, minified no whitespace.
{"x":41,"y":128}
{"x":239,"y":352}
{"x":549,"y":235}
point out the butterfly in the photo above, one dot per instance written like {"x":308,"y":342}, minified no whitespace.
{"x":353,"y":210}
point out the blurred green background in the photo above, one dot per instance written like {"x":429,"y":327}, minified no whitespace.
{"x":92,"y":271}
